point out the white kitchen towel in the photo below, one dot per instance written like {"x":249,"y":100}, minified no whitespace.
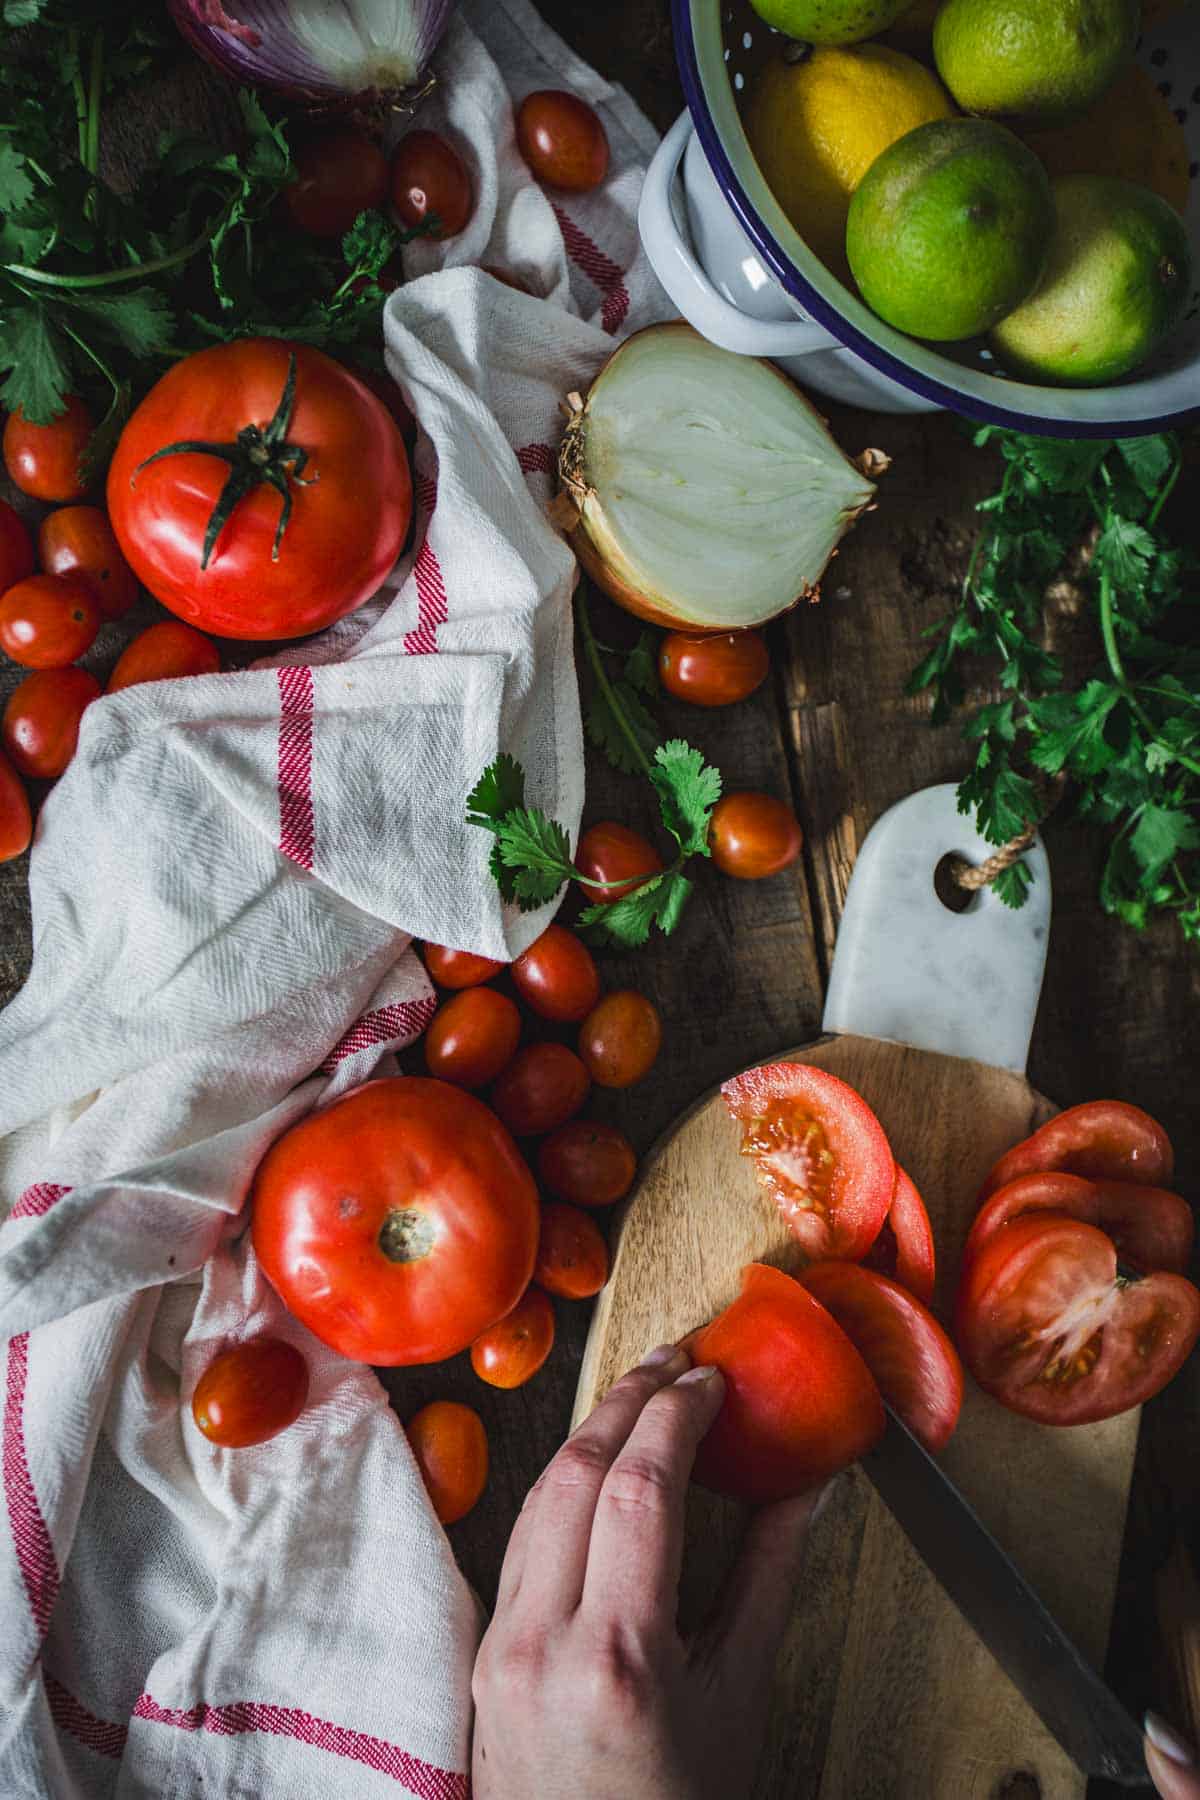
{"x":225,"y":885}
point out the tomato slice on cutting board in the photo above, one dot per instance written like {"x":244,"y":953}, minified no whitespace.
{"x":1103,"y":1140}
{"x":913,"y":1361}
{"x":1048,"y":1326}
{"x":800,"y":1402}
{"x":1151,"y":1227}
{"x":904,"y":1250}
{"x":820,"y":1152}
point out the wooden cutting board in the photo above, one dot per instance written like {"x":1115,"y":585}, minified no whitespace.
{"x":883,"y":1692}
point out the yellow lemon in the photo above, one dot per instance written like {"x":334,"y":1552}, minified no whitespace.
{"x":1131,"y":133}
{"x":817,"y":126}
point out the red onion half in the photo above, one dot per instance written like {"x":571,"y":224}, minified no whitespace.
{"x":310,"y":50}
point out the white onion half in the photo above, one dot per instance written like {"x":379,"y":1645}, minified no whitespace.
{"x":704,"y":489}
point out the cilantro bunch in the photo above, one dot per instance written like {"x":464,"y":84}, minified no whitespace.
{"x":531,"y":855}
{"x":100,"y":290}
{"x":1089,"y":614}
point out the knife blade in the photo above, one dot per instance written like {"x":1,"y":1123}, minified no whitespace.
{"x":993,"y":1596}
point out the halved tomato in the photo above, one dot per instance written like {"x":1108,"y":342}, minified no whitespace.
{"x":1103,"y":1140}
{"x":904,"y":1250}
{"x":1048,"y":1326}
{"x":800,"y":1402}
{"x":913,"y":1361}
{"x":1151,"y":1227}
{"x":820,"y":1152}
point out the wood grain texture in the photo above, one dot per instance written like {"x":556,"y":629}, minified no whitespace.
{"x":882,"y":1690}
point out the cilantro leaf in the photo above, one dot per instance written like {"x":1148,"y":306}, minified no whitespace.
{"x":499,"y":790}
{"x":16,"y":185}
{"x":1072,"y":728}
{"x":34,"y":353}
{"x":641,"y":667}
{"x":688,"y":788}
{"x":138,"y":319}
{"x":1149,"y":460}
{"x":1126,"y":550}
{"x":1160,"y":834}
{"x":659,"y":901}
{"x":1003,"y":801}
{"x":1012,"y":885}
{"x":1064,"y":464}
{"x":604,"y":728}
{"x":529,"y":841}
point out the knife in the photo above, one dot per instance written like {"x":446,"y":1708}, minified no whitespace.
{"x":994,"y":1597}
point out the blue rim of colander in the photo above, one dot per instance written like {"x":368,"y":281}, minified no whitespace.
{"x":820,"y":309}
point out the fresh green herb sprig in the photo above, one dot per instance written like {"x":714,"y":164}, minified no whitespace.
{"x":531,"y":855}
{"x":1084,"y":519}
{"x":100,"y":290}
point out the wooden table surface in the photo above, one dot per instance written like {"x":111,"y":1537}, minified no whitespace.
{"x":833,"y":732}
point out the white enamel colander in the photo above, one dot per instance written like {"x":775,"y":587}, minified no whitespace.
{"x":736,"y":268}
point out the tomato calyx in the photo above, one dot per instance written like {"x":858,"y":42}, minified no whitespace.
{"x":406,"y":1235}
{"x":258,"y":454}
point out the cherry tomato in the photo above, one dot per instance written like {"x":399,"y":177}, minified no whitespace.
{"x":166,"y":651}
{"x":80,"y":540}
{"x":712,"y":671}
{"x":914,"y":1363}
{"x":46,"y":460}
{"x":46,"y":621}
{"x":1048,"y":1326}
{"x":557,"y":977}
{"x":16,"y":820}
{"x":41,"y":721}
{"x":339,"y":174}
{"x":398,"y":1222}
{"x":1151,"y":1227}
{"x":572,"y":1257}
{"x":1103,"y":1140}
{"x":904,"y":1248}
{"x":620,"y":1039}
{"x":543,"y":1086}
{"x":16,"y":548}
{"x":251,"y":1393}
{"x":512,"y":1351}
{"x":562,"y":140}
{"x":588,"y":1163}
{"x":800,"y":1402}
{"x":451,"y":1451}
{"x":430,"y":182}
{"x":472,"y":1037}
{"x":336,"y":454}
{"x":458,"y":968}
{"x":753,"y":835}
{"x":610,"y":852}
{"x":821,"y":1154}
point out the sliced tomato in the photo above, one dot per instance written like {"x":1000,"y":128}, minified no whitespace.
{"x":913,"y":1361}
{"x":1151,"y":1227}
{"x":800,"y":1402}
{"x":1103,"y":1140}
{"x":821,"y":1154}
{"x":904,"y":1250}
{"x":1048,"y":1326}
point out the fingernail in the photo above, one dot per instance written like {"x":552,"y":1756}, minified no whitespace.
{"x":704,"y":1373}
{"x":1167,"y":1740}
{"x":666,"y":1353}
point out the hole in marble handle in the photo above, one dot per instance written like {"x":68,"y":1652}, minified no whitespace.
{"x":954,"y":898}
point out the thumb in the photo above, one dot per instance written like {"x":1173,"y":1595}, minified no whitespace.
{"x":747,"y":1628}
{"x":1171,"y":1761}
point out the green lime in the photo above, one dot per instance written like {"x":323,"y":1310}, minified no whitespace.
{"x":1116,"y":284}
{"x":1040,"y":59}
{"x":949,"y":228}
{"x":830,"y":21}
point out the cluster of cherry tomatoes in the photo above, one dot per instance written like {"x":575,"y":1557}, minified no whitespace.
{"x":343,"y":172}
{"x":50,"y":617}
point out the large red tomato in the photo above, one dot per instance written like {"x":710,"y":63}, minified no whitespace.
{"x":1102,"y":1140}
{"x":906,"y":1350}
{"x":397,"y":1223}
{"x":260,"y":490}
{"x":800,"y":1402}
{"x":821,"y":1154}
{"x":1151,"y":1227}
{"x":1050,"y":1327}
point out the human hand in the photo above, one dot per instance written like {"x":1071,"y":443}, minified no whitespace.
{"x":583,"y":1685}
{"x":1171,"y":1761}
